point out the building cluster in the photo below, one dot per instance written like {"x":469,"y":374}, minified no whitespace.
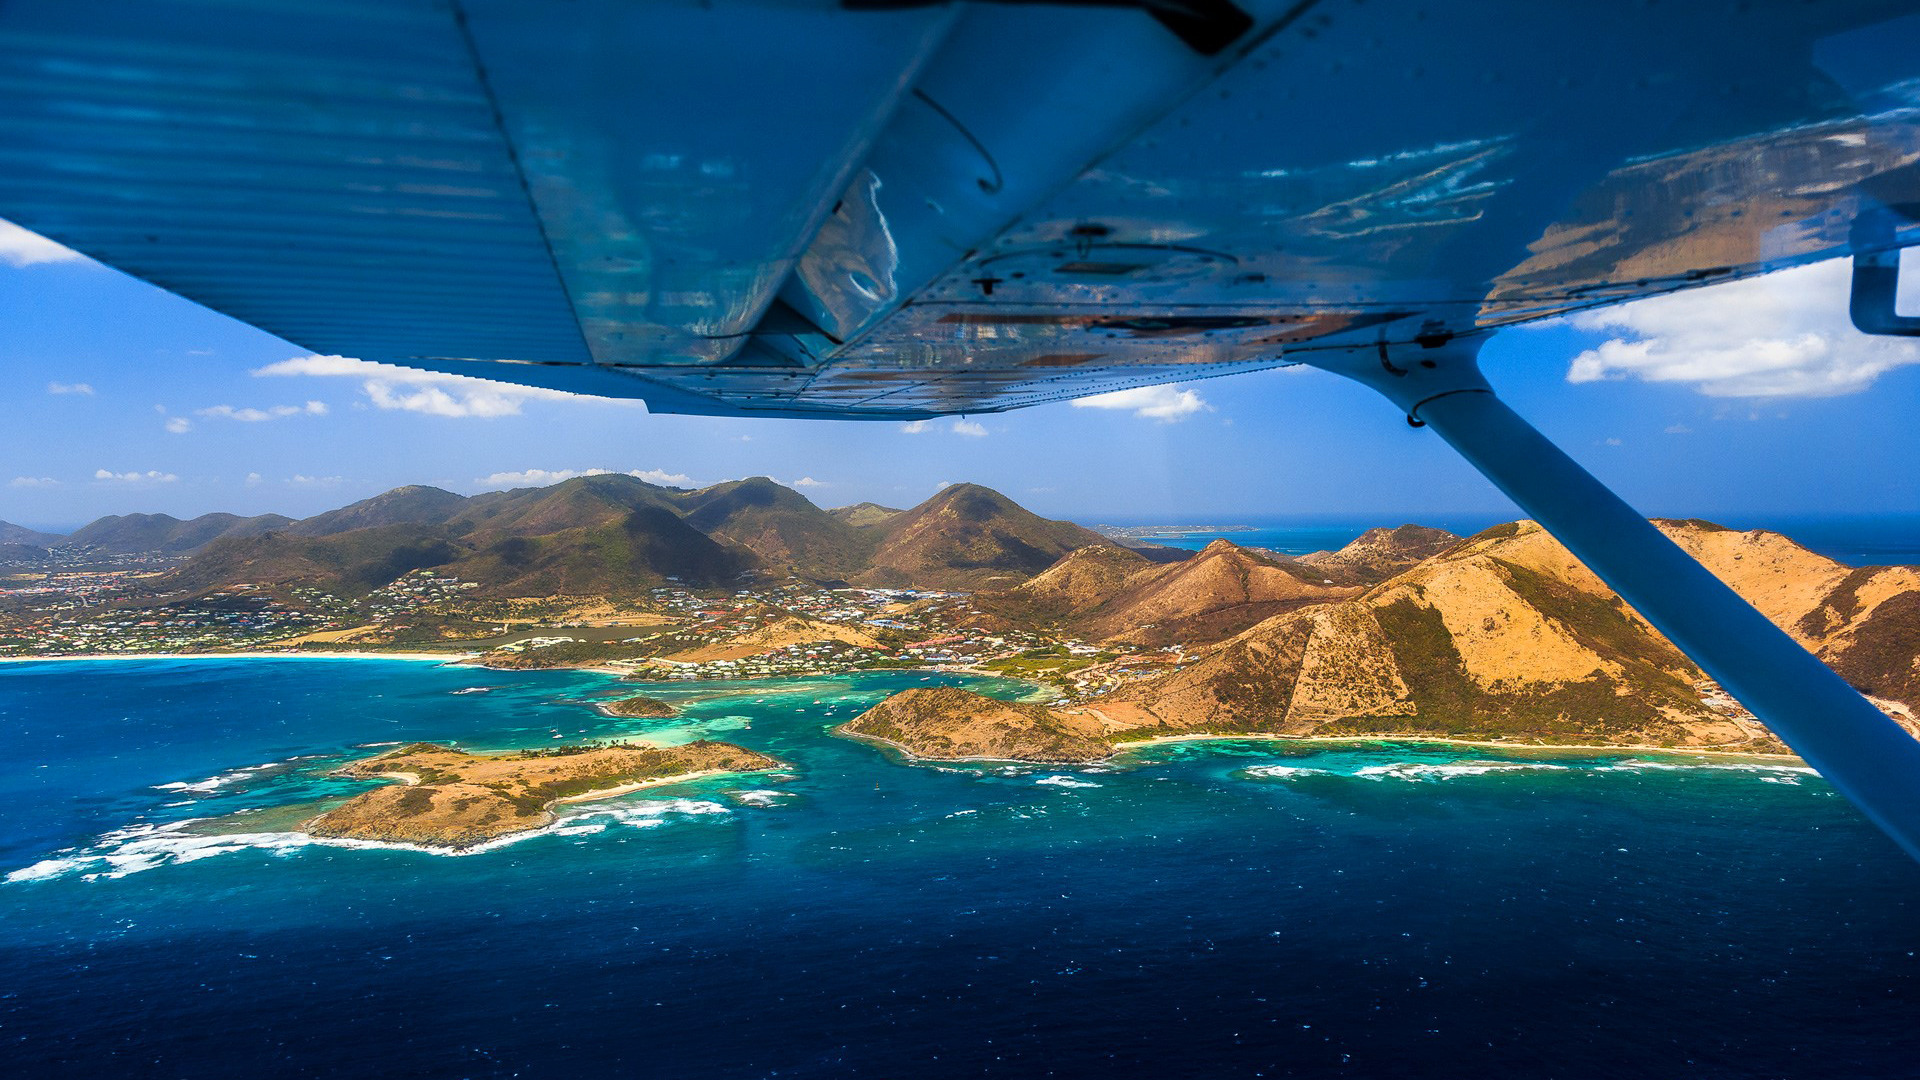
{"x":115,"y":611}
{"x":235,"y":617}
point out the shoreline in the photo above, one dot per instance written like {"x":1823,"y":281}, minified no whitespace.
{"x":627,"y":789}
{"x":1621,"y":748}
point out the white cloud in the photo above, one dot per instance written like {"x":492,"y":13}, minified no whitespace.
{"x":809,"y":482}
{"x":179,"y":425}
{"x":33,"y":482}
{"x":298,"y":480}
{"x":1678,"y":429}
{"x":18,"y":247}
{"x":429,"y":392}
{"x":151,"y":476}
{"x":544,"y":477}
{"x":960,"y":426}
{"x":70,"y":388}
{"x":1782,"y":335}
{"x":662,"y":477}
{"x":272,"y":412}
{"x":253,"y":479}
{"x":1163,"y":403}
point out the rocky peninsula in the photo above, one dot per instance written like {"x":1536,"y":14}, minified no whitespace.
{"x":448,"y":798}
{"x":950,"y":724}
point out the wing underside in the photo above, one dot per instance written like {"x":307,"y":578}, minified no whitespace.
{"x":898,"y":210}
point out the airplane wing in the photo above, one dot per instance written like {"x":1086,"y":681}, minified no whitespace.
{"x":901,"y":208}
{"x":892,"y":208}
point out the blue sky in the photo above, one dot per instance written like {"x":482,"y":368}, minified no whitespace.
{"x":1746,"y":402}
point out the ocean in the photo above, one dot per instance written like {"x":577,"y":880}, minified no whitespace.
{"x":1885,"y":540}
{"x":1224,"y":908}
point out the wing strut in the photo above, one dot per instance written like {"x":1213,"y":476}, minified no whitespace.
{"x":1863,"y":753}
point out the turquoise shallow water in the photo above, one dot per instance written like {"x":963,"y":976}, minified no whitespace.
{"x":1226,"y":908}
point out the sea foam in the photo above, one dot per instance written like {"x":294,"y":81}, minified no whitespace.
{"x":146,"y":847}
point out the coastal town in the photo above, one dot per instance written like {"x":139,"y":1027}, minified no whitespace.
{"x":672,"y":632}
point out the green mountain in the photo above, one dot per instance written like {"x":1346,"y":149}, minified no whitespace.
{"x":133,"y":533}
{"x":21,"y":535}
{"x":782,"y":527}
{"x":614,"y":534}
{"x":644,"y":548}
{"x":414,"y":504}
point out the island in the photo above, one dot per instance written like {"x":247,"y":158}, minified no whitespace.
{"x":455,"y":799}
{"x":639,"y":706}
{"x":949,"y":724}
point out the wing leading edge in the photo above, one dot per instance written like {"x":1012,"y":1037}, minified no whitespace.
{"x":800,"y":208}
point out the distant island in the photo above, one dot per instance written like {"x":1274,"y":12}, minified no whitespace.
{"x":1408,"y":631}
{"x":447,"y":798}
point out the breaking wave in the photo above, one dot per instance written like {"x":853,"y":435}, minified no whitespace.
{"x":1065,"y":782}
{"x":146,"y":847}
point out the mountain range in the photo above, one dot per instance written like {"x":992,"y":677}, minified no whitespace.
{"x":1405,"y":629}
{"x":1505,"y":633}
{"x":616,"y":535}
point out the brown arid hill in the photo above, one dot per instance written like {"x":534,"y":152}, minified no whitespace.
{"x":1115,"y":595}
{"x":865,"y":513}
{"x":639,"y":706}
{"x":1506,"y":635}
{"x":1863,"y":621}
{"x":132,"y":533}
{"x":449,"y":798}
{"x":1083,"y":581}
{"x":781,"y":526}
{"x":950,"y":724}
{"x":1378,"y":554}
{"x":970,"y":537}
{"x":777,"y":631}
{"x":1213,"y":595}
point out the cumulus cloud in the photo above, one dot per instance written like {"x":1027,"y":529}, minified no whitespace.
{"x":298,"y":480}
{"x":33,"y":482}
{"x":179,"y":425}
{"x":253,"y":479}
{"x":544,"y":477}
{"x":1163,"y":403}
{"x":255,"y":416}
{"x":18,"y":247}
{"x":407,"y":390}
{"x":809,"y":482}
{"x":960,"y":426}
{"x":1783,"y":335}
{"x":70,"y":388}
{"x":151,"y":476}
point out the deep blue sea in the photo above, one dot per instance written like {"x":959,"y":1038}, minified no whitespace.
{"x":1205,"y":909}
{"x":1884,"y":540}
